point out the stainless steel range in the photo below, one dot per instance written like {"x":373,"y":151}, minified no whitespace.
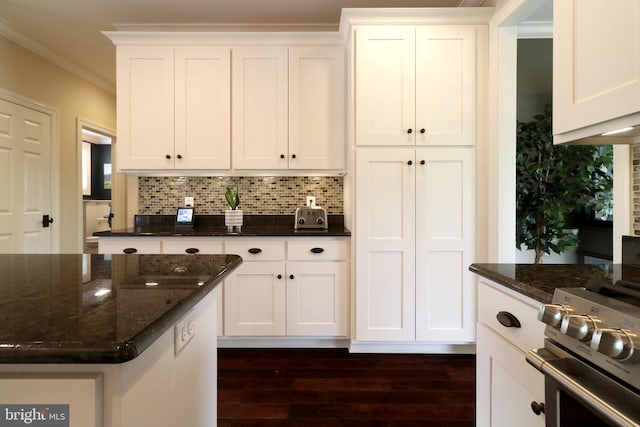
{"x":591,"y":358}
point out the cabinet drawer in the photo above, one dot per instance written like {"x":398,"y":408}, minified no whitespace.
{"x":200,"y":245}
{"x":256,"y":250}
{"x":317,"y":249}
{"x":492,"y":300}
{"x":119,"y":245}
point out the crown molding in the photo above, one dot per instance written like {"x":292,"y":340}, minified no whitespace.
{"x":78,"y":70}
{"x":535,"y":30}
{"x":351,"y":17}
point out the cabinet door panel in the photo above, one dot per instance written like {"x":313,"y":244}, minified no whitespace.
{"x":317,"y":298}
{"x":385,"y":85}
{"x":445,"y":86}
{"x":202,"y":92}
{"x":506,"y":384}
{"x":145,"y":105}
{"x":259,"y":108}
{"x":385,"y":240}
{"x":316,"y":108}
{"x":596,"y":74}
{"x":254,"y":300}
{"x":445,"y":243}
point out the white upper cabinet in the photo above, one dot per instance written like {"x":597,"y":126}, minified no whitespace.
{"x":288,"y":108}
{"x":596,"y":67}
{"x":317,"y":108}
{"x":173,"y":107}
{"x":415,"y":85}
{"x":202,"y":129}
{"x":199,"y":102}
{"x":259,"y":88}
{"x":145,"y":107}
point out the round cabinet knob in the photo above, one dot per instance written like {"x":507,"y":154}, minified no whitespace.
{"x":282,"y":156}
{"x":293,"y":156}
{"x":179,"y":156}
{"x":291,"y":276}
{"x":410,"y":162}
{"x":279,"y":276}
{"x":319,"y":221}
{"x":301,"y":221}
{"x":409,"y":130}
{"x":579,"y":326}
{"x":552,"y":314}
{"x":537,"y":407}
{"x":423,"y":130}
{"x":168,"y":156}
{"x":615,"y":343}
{"x":423,"y":162}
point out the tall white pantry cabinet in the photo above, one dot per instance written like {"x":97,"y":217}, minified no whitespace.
{"x":415,"y":143}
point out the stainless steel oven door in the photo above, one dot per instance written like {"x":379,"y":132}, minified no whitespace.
{"x":577,"y":394}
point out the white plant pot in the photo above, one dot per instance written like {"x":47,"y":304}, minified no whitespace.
{"x":233,"y":220}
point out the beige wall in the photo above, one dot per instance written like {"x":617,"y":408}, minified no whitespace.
{"x":28,"y":75}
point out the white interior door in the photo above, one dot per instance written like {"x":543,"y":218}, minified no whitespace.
{"x":25,"y":179}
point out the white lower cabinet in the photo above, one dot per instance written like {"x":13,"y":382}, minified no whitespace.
{"x":415,"y":211}
{"x":506,"y":385}
{"x":303,"y":293}
{"x":296,"y":287}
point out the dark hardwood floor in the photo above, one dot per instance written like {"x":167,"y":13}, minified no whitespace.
{"x":331,"y":388}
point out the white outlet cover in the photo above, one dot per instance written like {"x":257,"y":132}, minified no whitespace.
{"x":188,"y":201}
{"x":184,"y":331}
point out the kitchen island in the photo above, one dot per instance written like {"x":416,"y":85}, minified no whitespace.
{"x":123,"y":340}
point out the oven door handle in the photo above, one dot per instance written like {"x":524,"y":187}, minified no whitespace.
{"x":594,"y":394}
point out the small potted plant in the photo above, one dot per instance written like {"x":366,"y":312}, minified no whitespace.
{"x":233,"y":215}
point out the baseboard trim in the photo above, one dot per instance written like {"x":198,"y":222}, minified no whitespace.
{"x":411,"y":347}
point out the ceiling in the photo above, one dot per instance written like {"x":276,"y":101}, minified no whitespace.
{"x":67,"y":32}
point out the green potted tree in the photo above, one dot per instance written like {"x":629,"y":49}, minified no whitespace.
{"x":233,"y":217}
{"x":554,"y":182}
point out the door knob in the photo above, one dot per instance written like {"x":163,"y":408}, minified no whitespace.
{"x":46,"y":220}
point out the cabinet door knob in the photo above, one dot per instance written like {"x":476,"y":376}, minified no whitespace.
{"x":291,"y":276}
{"x":279,"y":276}
{"x":507,"y":319}
{"x":409,"y":130}
{"x":168,"y":156}
{"x":129,"y":250}
{"x":293,"y":156}
{"x":192,"y":250}
{"x":254,"y":251}
{"x":423,"y":130}
{"x":410,"y":162}
{"x":282,"y":156}
{"x":422,"y":162}
{"x":317,"y":250}
{"x":179,"y":156}
{"x":537,"y":407}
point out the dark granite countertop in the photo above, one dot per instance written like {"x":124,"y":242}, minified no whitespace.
{"x":97,"y":308}
{"x":539,"y":281}
{"x":213,"y":225}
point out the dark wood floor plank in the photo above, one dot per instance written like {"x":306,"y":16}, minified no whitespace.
{"x":331,"y":387}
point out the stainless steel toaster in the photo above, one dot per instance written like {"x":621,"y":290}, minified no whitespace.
{"x":311,"y":217}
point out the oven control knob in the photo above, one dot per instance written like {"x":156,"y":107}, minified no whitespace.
{"x":615,"y":343}
{"x":579,"y":326}
{"x":301,"y":221}
{"x":552,"y":314}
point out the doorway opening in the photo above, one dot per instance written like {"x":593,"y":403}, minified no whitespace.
{"x":97,"y":183}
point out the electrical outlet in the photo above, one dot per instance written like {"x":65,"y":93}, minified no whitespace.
{"x":311,"y":201}
{"x":185,"y":330}
{"x":188,"y":201}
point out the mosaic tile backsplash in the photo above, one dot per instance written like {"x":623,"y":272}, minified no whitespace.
{"x":264,"y":195}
